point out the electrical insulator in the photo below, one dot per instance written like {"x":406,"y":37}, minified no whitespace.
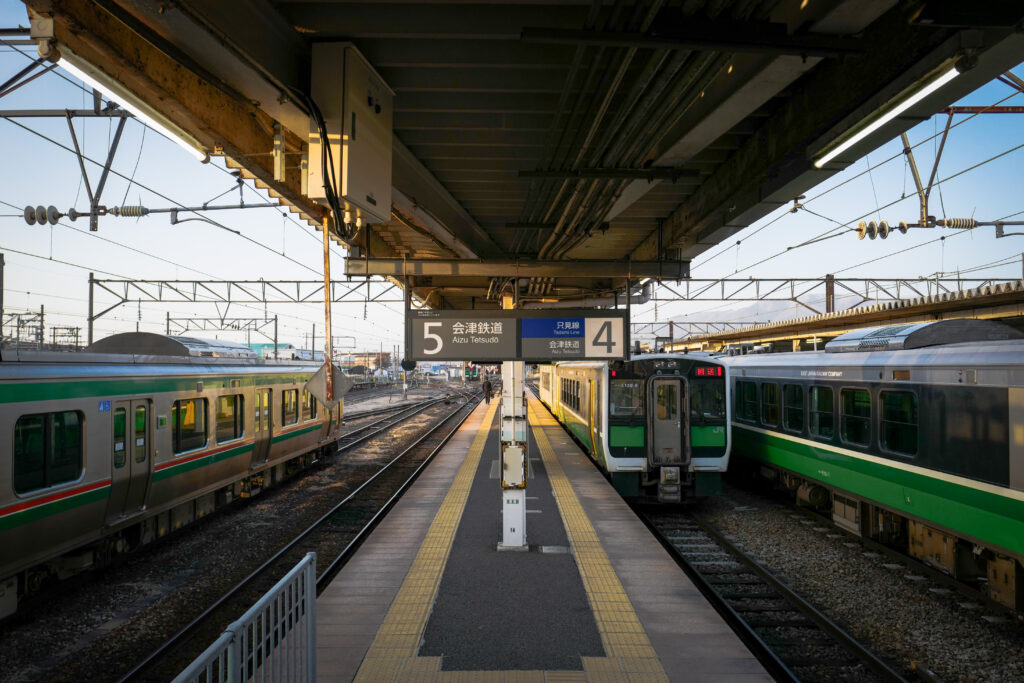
{"x":129,"y":211}
{"x":883,"y":230}
{"x":862,"y":230}
{"x":872,"y":230}
{"x":30,"y":215}
{"x":902,"y":227}
{"x":961,"y":223}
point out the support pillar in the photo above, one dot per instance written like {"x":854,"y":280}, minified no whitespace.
{"x":514,"y":453}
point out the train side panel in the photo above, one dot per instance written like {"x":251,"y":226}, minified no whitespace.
{"x":900,"y":449}
{"x":81,"y":505}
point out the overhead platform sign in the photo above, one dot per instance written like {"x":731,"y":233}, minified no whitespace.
{"x":533,"y":336}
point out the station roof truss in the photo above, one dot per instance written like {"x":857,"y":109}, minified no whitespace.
{"x":222,"y":294}
{"x":550,"y":133}
{"x":821,"y":292}
{"x":991,"y":301}
{"x":264,"y":327}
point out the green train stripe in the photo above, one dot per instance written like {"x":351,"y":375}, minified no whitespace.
{"x":56,"y":507}
{"x":625,"y":435}
{"x":190,"y":465}
{"x":16,"y":392}
{"x":707,"y":436}
{"x":975,"y":509}
{"x":297,"y":432}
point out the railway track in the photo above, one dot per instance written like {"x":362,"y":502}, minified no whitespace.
{"x":394,"y":416}
{"x":793,"y":640}
{"x":334,"y":537}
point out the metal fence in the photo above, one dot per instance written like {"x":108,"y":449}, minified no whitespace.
{"x":275,"y":640}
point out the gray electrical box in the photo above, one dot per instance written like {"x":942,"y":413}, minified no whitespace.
{"x":357,"y":106}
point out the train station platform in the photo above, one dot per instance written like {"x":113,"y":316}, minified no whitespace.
{"x":428,"y":597}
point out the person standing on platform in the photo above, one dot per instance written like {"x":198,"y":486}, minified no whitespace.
{"x":487,"y":389}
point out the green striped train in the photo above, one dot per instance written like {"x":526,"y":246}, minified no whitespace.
{"x":912,"y":435}
{"x":111,"y":449}
{"x":657,"y":425}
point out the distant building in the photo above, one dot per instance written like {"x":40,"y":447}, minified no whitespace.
{"x":286,"y":352}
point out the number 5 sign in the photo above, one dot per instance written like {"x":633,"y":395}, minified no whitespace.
{"x":604,"y":338}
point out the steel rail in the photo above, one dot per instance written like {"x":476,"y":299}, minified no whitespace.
{"x":188,"y":630}
{"x":826,"y":625}
{"x":833,"y":629}
{"x":413,"y":409}
{"x":331,"y":571}
{"x":764,"y":654}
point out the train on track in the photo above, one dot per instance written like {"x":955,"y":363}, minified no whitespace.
{"x":142,"y":434}
{"x":912,"y":435}
{"x":656,"y":425}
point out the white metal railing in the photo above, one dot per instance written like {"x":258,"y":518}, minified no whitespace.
{"x":275,"y":640}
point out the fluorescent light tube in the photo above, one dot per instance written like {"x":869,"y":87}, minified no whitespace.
{"x":889,"y":115}
{"x":96,"y":79}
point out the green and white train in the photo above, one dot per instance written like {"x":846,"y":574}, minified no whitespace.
{"x":109,"y":450}
{"x":912,"y":435}
{"x":657,"y":425}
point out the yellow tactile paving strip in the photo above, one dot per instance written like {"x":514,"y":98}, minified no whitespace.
{"x":630,"y":656}
{"x":392,"y":656}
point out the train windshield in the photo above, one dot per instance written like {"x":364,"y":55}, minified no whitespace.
{"x":707,"y":402}
{"x":626,"y":397}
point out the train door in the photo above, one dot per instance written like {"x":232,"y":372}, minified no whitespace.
{"x":264,"y":427}
{"x":668,"y":397}
{"x":592,"y":419}
{"x":131,"y":455}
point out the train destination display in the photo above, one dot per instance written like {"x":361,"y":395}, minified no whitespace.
{"x":517,"y":335}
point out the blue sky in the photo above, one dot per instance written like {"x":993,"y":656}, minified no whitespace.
{"x":38,"y":172}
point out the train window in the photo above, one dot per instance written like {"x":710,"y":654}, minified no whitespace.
{"x":666,"y":396}
{"x":707,"y":402}
{"x":899,"y":422}
{"x":545,"y":380}
{"x":188,"y":418}
{"x":140,"y":434}
{"x":258,"y":422}
{"x":746,"y":401}
{"x":855,"y":421}
{"x":627,"y":397}
{"x":793,"y":407}
{"x":120,"y":424}
{"x":822,"y":421}
{"x":229,"y":417}
{"x":770,"y":404}
{"x":309,"y":405}
{"x":47,"y":450}
{"x":289,"y":406}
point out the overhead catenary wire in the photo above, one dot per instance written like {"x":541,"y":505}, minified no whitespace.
{"x":299,"y":330}
{"x":841,"y":184}
{"x":305,"y":228}
{"x":163,"y":196}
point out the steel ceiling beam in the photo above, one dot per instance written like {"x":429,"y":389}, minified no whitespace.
{"x":749,"y":38}
{"x":650,"y":174}
{"x":759,"y":178}
{"x":672,"y":270}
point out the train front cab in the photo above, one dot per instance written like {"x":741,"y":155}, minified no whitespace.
{"x":683,"y":436}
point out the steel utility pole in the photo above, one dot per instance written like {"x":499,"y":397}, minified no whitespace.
{"x":1,"y":293}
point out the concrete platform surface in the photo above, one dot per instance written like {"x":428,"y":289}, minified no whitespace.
{"x":429,"y":598}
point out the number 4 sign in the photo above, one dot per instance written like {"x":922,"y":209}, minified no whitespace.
{"x":604,"y":337}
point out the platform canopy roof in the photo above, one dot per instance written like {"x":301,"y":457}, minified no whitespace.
{"x":566,"y":147}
